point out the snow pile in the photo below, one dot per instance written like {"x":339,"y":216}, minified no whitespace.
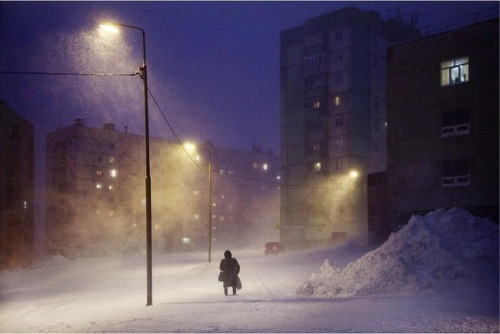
{"x":443,"y":245}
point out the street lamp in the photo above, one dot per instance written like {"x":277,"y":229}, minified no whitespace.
{"x":112,"y":27}
{"x":192,"y":147}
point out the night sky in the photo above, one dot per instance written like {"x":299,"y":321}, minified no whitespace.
{"x":213,"y":66}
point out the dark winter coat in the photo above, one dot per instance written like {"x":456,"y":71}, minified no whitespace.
{"x":231,"y":269}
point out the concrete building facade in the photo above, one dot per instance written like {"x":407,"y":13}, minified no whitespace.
{"x":443,"y":121}
{"x":96,"y":193}
{"x":333,"y":122}
{"x":16,"y":189}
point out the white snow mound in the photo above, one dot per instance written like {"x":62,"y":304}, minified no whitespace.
{"x":444,"y":244}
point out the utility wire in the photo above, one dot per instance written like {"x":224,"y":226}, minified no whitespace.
{"x":221,"y":172}
{"x":72,"y":73}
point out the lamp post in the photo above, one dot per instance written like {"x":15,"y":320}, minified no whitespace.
{"x":144,"y":76}
{"x":190,"y":146}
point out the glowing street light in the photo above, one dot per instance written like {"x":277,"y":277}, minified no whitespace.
{"x":113,"y":28}
{"x":192,"y":147}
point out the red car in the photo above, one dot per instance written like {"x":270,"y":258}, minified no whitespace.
{"x":273,"y":248}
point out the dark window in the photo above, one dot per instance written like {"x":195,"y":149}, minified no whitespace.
{"x":455,"y":173}
{"x":455,"y":123}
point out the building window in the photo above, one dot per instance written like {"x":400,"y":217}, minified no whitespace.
{"x":315,"y":147}
{"x":455,"y":123}
{"x":339,"y":165}
{"x":314,"y":82}
{"x":98,"y":172}
{"x":111,"y":160}
{"x":313,"y":125}
{"x":339,"y":143}
{"x":338,"y":78}
{"x":315,"y":61}
{"x":98,"y":185}
{"x":455,"y":173}
{"x":311,"y":105}
{"x":314,"y":167}
{"x":337,"y":100}
{"x":338,"y":122}
{"x":113,"y":173}
{"x":454,"y":71}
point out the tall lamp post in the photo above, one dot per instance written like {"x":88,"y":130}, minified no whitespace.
{"x":209,"y":206}
{"x":111,"y":26}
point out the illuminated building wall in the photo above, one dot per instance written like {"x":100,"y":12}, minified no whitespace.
{"x":333,"y":121}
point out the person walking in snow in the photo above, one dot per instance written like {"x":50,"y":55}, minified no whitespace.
{"x":230,"y":269}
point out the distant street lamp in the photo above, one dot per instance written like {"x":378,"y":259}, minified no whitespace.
{"x":112,"y":27}
{"x":190,"y":146}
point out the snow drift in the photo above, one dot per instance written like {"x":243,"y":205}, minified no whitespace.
{"x":442,"y":245}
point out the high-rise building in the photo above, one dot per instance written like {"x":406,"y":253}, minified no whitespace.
{"x":96,"y":193}
{"x":333,"y":122}
{"x":16,"y":188}
{"x":443,"y":122}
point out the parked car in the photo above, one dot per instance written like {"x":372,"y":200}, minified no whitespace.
{"x":273,"y":248}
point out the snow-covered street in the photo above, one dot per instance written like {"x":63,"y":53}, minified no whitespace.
{"x":109,"y":295}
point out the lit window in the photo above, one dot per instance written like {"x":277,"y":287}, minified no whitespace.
{"x":455,"y":173}
{"x":264,"y":166}
{"x":454,"y":71}
{"x":98,"y":172}
{"x":197,"y":217}
{"x":98,"y":185}
{"x":316,"y":104}
{"x":110,"y":187}
{"x":455,"y":123}
{"x":196,"y":192}
{"x":25,"y":204}
{"x":337,"y":100}
{"x":111,"y":160}
{"x":317,"y":166}
{"x":186,"y":240}
{"x":112,"y":172}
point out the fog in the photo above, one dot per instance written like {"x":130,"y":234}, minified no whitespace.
{"x":420,"y":280}
{"x":91,"y":75}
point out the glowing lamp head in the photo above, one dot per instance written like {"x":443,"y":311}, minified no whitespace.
{"x":354,"y":174}
{"x":109,"y":28}
{"x":190,"y":146}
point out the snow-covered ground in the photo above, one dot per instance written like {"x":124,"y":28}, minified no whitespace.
{"x":437,"y":274}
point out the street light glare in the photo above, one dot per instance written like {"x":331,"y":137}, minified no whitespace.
{"x":111,"y":28}
{"x":353,"y":174}
{"x":190,"y":146}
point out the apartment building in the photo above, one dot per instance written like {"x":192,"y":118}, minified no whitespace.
{"x":96,"y":193}
{"x":16,"y":189}
{"x":443,"y":110}
{"x":333,"y":122}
